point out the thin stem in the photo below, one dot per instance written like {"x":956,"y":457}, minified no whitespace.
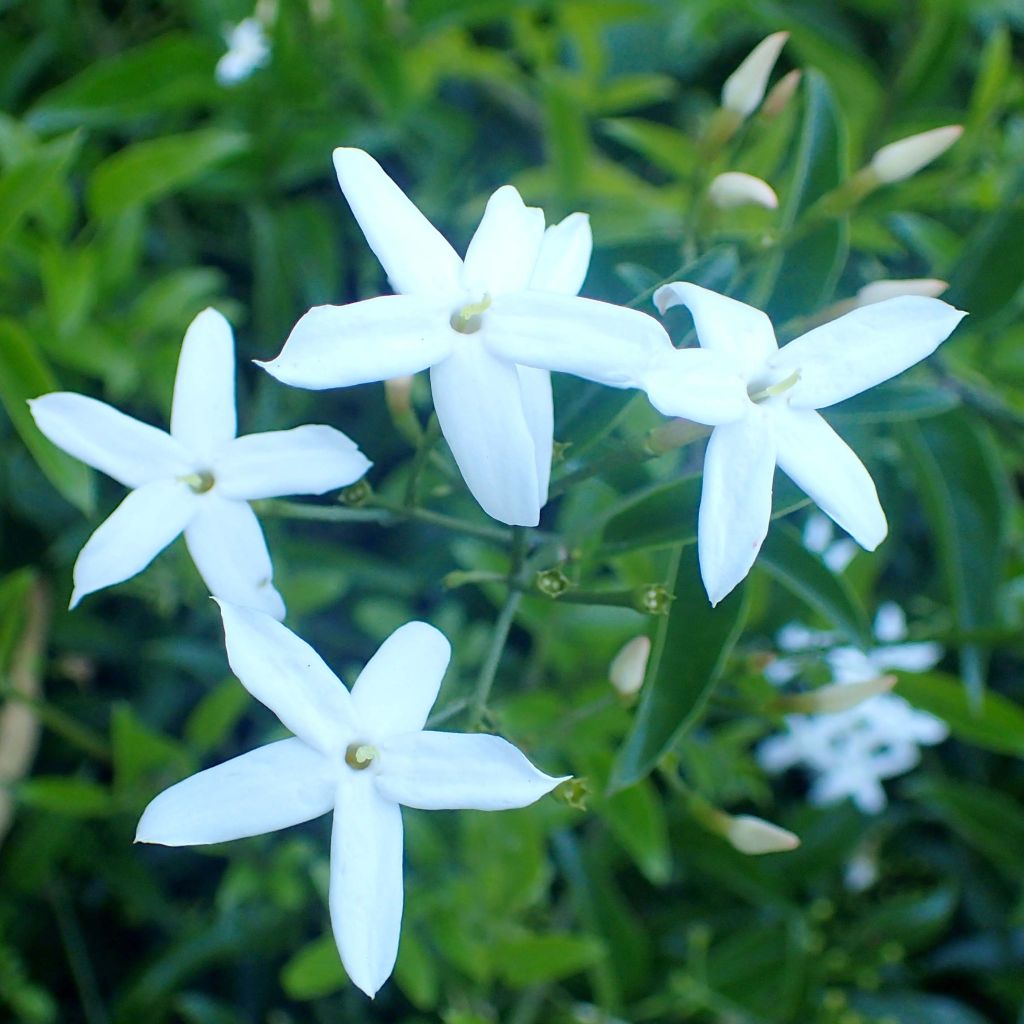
{"x":78,"y":956}
{"x":419,"y":462}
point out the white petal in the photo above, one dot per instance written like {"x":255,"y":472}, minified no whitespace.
{"x":289,"y":677}
{"x":479,"y":405}
{"x":503,"y":251}
{"x":564,"y":256}
{"x":745,"y":87}
{"x":203,"y":410}
{"x":131,"y":452}
{"x":448,"y":771}
{"x":823,"y":465}
{"x":390,"y":336}
{"x":268,"y":788}
{"x":864,"y":348}
{"x":734,"y":188}
{"x":698,"y":384}
{"x":395,"y":692}
{"x":594,"y":340}
{"x":735,"y":501}
{"x":366,"y":881}
{"x":148,"y":519}
{"x":538,"y":407}
{"x":726,"y":325}
{"x":227,"y":545}
{"x":416,"y":257}
{"x":311,"y":459}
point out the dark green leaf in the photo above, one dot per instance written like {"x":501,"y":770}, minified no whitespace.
{"x":524,"y":958}
{"x":314,"y":971}
{"x":30,"y":183}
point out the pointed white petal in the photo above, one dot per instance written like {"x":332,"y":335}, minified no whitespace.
{"x":594,"y":340}
{"x":735,"y":501}
{"x":390,"y":336}
{"x":366,"y":881}
{"x":479,"y":405}
{"x":538,"y":407}
{"x":395,"y":692}
{"x":726,"y":325}
{"x":503,"y":251}
{"x":821,"y":463}
{"x":289,"y":677}
{"x":311,"y":459}
{"x":148,"y":519}
{"x":564,"y":256}
{"x":448,"y":771}
{"x":863,"y":348}
{"x":734,"y":188}
{"x":698,"y":384}
{"x":416,"y":257}
{"x":268,"y":788}
{"x":203,"y":410}
{"x":227,"y":545}
{"x":131,"y":452}
{"x":745,"y":87}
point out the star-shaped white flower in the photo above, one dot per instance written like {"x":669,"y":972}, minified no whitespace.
{"x":363,"y":754}
{"x":482,"y":326}
{"x":197,"y":479}
{"x":770,"y":415}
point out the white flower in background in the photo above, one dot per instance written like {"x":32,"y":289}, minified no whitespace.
{"x":248,"y":50}
{"x":197,"y":479}
{"x":775,"y":420}
{"x":745,"y":87}
{"x":513,"y":300}
{"x":906,"y":157}
{"x":850,"y":752}
{"x":363,"y":754}
{"x":819,"y":537}
{"x":734,"y":188}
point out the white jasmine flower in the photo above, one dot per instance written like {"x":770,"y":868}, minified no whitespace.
{"x":745,"y":87}
{"x":363,"y":753}
{"x":197,"y":479}
{"x":734,"y":188}
{"x":513,"y":300}
{"x":906,"y":157}
{"x":248,"y":50}
{"x":776,"y":422}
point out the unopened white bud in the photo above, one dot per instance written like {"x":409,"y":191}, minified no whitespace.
{"x":734,"y":188}
{"x":745,"y":87}
{"x":781,"y":93}
{"x":629,"y":666}
{"x":907,"y":156}
{"x":879,"y":291}
{"x":827,"y":700}
{"x":754,"y":836}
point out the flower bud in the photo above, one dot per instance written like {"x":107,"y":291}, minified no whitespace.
{"x":781,"y":93}
{"x":907,"y":156}
{"x":734,"y":188}
{"x":754,"y":836}
{"x":745,"y":87}
{"x":398,"y":397}
{"x":879,"y":291}
{"x":629,"y":666}
{"x":827,"y":700}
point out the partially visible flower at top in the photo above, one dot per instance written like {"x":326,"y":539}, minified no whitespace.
{"x":487,"y":328}
{"x":363,"y":754}
{"x":850,"y":752}
{"x":767,"y":414}
{"x":905,"y":157}
{"x":734,"y":188}
{"x":745,"y":87}
{"x":248,"y":50}
{"x":197,"y":479}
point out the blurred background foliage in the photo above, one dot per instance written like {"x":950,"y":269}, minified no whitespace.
{"x":135,"y":190}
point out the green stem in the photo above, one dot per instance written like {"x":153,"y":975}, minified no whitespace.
{"x":60,"y":723}
{"x":420,"y":459}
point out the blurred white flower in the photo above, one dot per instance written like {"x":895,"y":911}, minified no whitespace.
{"x":197,"y":479}
{"x":361,"y":753}
{"x":879,"y":291}
{"x":248,"y":50}
{"x":851,"y":751}
{"x":745,"y":87}
{"x":819,"y":534}
{"x":907,"y":156}
{"x":488,"y":328}
{"x":765,"y":413}
{"x":734,"y":188}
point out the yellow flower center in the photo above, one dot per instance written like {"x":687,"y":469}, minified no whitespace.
{"x":360,"y":756}
{"x":469,"y":319}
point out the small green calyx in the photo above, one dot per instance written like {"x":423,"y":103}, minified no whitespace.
{"x":774,"y":390}
{"x":360,"y":756}
{"x":470,"y":318}
{"x":200,"y":482}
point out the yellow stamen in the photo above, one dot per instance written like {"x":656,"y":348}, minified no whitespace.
{"x":200,"y":482}
{"x":360,"y":756}
{"x":773,"y":390}
{"x":469,"y":319}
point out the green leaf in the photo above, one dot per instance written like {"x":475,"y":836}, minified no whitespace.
{"x":314,"y":971}
{"x":525,"y":958}
{"x":150,"y":170}
{"x":140,"y":752}
{"x":965,"y":495}
{"x":995,"y":723}
{"x":24,"y":375}
{"x":76,"y":798}
{"x":894,"y":402}
{"x":690,"y":650}
{"x":216,"y":714}
{"x":784,"y":557}
{"x":636,"y":818}
{"x":29,"y":184}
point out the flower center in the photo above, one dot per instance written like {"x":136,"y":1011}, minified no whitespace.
{"x":200,"y":482}
{"x":760,"y":390}
{"x":360,"y":756}
{"x":469,"y":319}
